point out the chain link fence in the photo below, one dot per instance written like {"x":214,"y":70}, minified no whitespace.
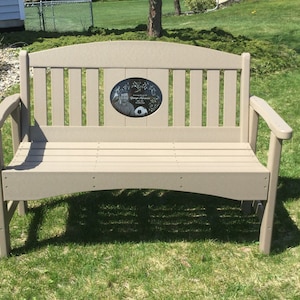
{"x":62,"y":16}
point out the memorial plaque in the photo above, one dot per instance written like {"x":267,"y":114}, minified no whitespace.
{"x":136,"y":97}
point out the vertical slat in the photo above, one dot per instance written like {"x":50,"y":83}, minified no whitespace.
{"x":161,"y":78}
{"x":196,"y":86}
{"x":16,"y":128}
{"x":1,"y":152}
{"x":132,"y":121}
{"x":21,"y":119}
{"x":213,"y":97}
{"x":253,"y":130}
{"x":4,"y":222}
{"x":111,"y":116}
{"x":57,"y":96}
{"x":75,"y":97}
{"x":92,"y":97}
{"x":230,"y":81}
{"x":245,"y":94}
{"x":25,"y":94}
{"x":40,"y":95}
{"x":179,"y":97}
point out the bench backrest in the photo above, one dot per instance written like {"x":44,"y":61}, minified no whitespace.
{"x":204,"y":92}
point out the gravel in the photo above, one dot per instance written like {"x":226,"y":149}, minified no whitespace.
{"x":9,"y":69}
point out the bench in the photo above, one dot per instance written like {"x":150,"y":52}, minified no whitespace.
{"x":137,"y":115}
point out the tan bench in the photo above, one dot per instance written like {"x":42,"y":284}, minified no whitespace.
{"x":138,"y":114}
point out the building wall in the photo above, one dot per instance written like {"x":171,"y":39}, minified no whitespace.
{"x":11,"y":14}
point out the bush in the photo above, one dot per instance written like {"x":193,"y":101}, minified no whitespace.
{"x":200,"y":5}
{"x":267,"y":57}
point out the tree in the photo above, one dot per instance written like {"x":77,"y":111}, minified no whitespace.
{"x":154,"y":20}
{"x":177,"y":7}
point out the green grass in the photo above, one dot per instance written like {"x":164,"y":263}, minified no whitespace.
{"x":275,"y":21}
{"x":253,"y":18}
{"x":138,"y":244}
{"x":76,"y":17}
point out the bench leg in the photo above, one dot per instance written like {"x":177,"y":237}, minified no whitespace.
{"x":4,"y":228}
{"x":266,"y":227}
{"x":22,"y":208}
{"x":255,"y":207}
{"x":259,"y":207}
{"x":246,"y":207}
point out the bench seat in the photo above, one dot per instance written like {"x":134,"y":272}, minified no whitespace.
{"x":67,"y":167}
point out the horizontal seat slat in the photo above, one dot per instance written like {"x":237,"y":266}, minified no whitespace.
{"x":183,"y":166}
{"x":93,"y":164}
{"x":135,"y":145}
{"x":132,"y":153}
{"x":136,"y":153}
{"x":88,"y":134}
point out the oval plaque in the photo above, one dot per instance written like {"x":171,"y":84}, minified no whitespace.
{"x":136,"y":97}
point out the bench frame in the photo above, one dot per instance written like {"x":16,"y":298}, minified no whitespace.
{"x":195,"y":153}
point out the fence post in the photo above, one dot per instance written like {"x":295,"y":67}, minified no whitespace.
{"x":50,"y":17}
{"x":53,"y":16}
{"x":92,"y":15}
{"x":41,"y":15}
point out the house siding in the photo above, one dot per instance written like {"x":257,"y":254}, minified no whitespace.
{"x":11,"y":14}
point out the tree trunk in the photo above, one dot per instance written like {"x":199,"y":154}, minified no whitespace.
{"x":177,"y":7}
{"x":154,"y":21}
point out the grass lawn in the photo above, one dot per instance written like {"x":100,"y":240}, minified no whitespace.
{"x":275,"y":21}
{"x":144,"y":244}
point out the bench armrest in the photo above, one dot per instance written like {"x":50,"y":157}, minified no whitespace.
{"x":7,"y":107}
{"x":276,"y":124}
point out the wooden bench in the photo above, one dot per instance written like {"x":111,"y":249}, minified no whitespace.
{"x":141,"y":115}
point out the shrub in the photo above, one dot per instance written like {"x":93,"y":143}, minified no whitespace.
{"x":266,"y":57}
{"x":200,"y":5}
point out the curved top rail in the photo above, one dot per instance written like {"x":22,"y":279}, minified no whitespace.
{"x":135,"y":54}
